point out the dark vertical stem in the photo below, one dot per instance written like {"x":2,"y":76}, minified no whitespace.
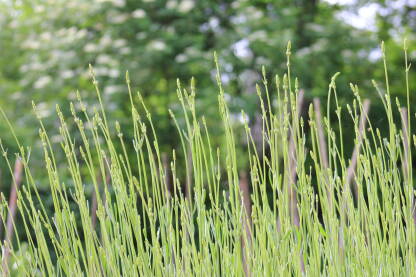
{"x":169,"y":190}
{"x":406,"y":160}
{"x":188,"y":175}
{"x":293,"y":165}
{"x":322,"y":142}
{"x":18,"y":168}
{"x":168,"y":177}
{"x":94,"y":204}
{"x":107,"y":179}
{"x":356,"y":152}
{"x":245,"y":199}
{"x":323,"y":153}
{"x":1,"y":218}
{"x":188,"y":188}
{"x":353,"y":164}
{"x":293,"y":202}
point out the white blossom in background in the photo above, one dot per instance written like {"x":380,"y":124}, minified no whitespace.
{"x":113,"y":73}
{"x":112,"y":106}
{"x":341,"y":2}
{"x":158,"y":45}
{"x":263,"y":60}
{"x":39,"y":8}
{"x":46,"y":36}
{"x":42,"y":82}
{"x":43,"y":110}
{"x":253,"y":13}
{"x":17,"y":95}
{"x":35,"y":66}
{"x":185,"y":6}
{"x":117,"y":3}
{"x":171,"y":4}
{"x":139,"y":13}
{"x":237,"y":4}
{"x":192,"y":52}
{"x":238,"y":118}
{"x":119,"y":43}
{"x":90,"y":48}
{"x":141,"y":35}
{"x":242,"y":49}
{"x":249,"y":78}
{"x":31,"y":43}
{"x":213,"y":22}
{"x":365,"y":18}
{"x":238,"y":19}
{"x":316,"y":27}
{"x":181,"y":58}
{"x":101,"y":71}
{"x":189,"y":52}
{"x":317,"y":46}
{"x":88,"y":125}
{"x":67,"y":74}
{"x":59,"y":55}
{"x":125,"y":50}
{"x":111,"y":89}
{"x":14,"y":24}
{"x":72,"y":96}
{"x":259,"y":35}
{"x":118,"y":18}
{"x":107,"y":60}
{"x":104,"y":59}
{"x":105,"y":41}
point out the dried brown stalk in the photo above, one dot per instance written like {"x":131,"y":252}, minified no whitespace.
{"x":293,"y":165}
{"x":17,"y":179}
{"x":357,"y":147}
{"x":245,"y":199}
{"x":167,"y":174}
{"x":323,"y":153}
{"x":94,"y":204}
{"x":293,"y":203}
{"x":353,"y":165}
{"x":406,"y":162}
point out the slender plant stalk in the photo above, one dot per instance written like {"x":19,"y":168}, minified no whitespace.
{"x":323,"y":153}
{"x":94,"y":203}
{"x":406,"y":159}
{"x":17,"y":179}
{"x":188,"y":183}
{"x":351,"y":170}
{"x":1,"y":202}
{"x":246,"y":220}
{"x":293,"y":165}
{"x":167,"y":174}
{"x":293,"y":202}
{"x":357,"y":147}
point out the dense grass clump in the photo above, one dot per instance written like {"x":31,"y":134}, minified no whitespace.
{"x":300,"y":207}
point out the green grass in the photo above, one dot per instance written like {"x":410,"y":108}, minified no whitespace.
{"x":309,"y":215}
